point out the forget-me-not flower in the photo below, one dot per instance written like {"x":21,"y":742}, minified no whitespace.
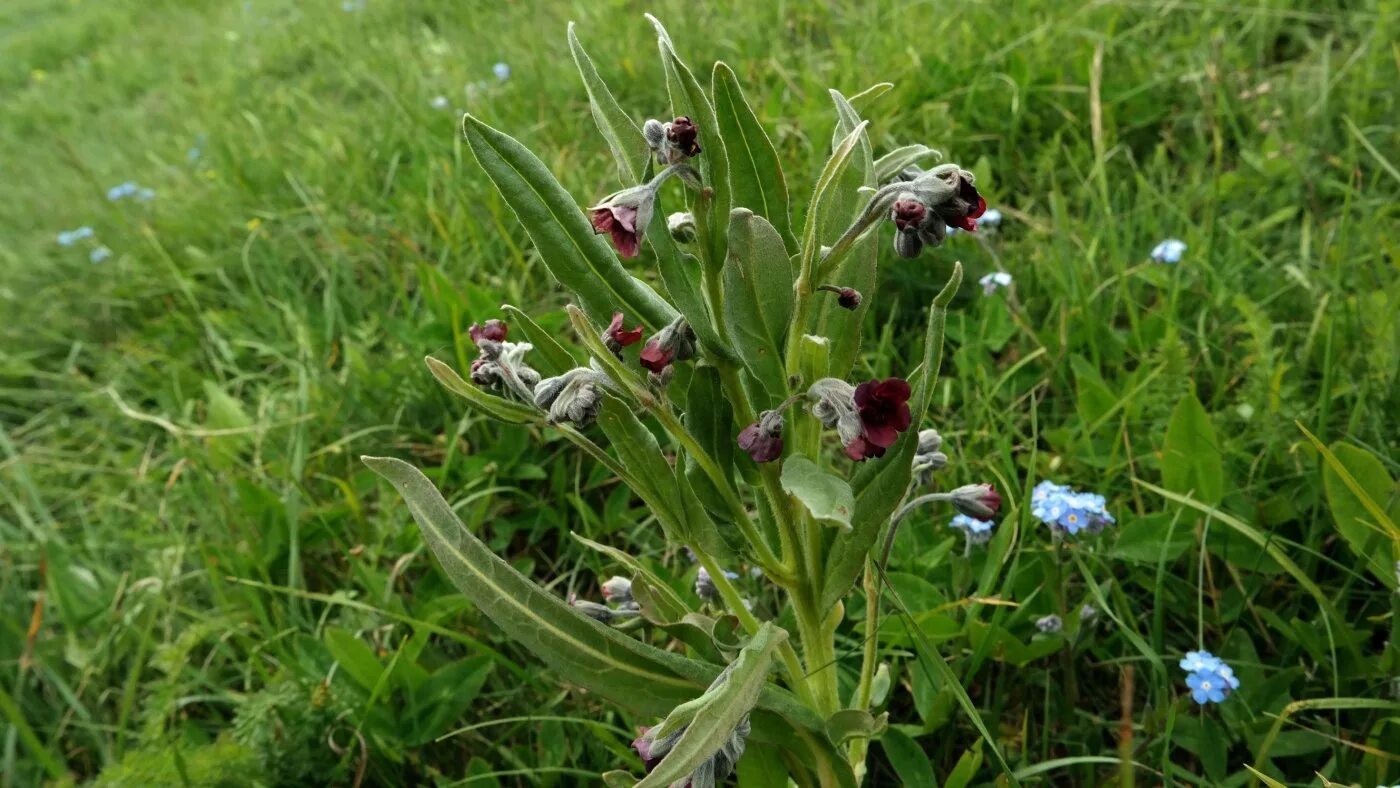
{"x":994,"y":280}
{"x":502,"y":71}
{"x":122,"y":190}
{"x":1199,"y":660}
{"x":1169,"y":251}
{"x":1208,"y":677}
{"x":99,"y":254}
{"x":70,"y":237}
{"x":989,"y":218}
{"x":977,"y":531}
{"x":440,"y":102}
{"x":1069,"y":511}
{"x":1206,"y":687}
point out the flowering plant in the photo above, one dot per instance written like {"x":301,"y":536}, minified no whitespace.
{"x":759,"y":321}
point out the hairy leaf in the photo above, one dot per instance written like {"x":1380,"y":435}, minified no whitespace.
{"x":826,"y":496}
{"x":755,"y":172}
{"x":758,"y":298}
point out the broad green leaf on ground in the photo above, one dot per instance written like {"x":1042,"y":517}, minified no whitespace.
{"x":826,"y":496}
{"x":581,"y":261}
{"x":758,"y":298}
{"x":629,"y":148}
{"x":1191,"y":463}
{"x":755,"y":172}
{"x":881,"y":484}
{"x":1359,"y":491}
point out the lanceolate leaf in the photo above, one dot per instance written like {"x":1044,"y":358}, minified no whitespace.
{"x":624,"y":138}
{"x":858,"y":269}
{"x":709,"y":417}
{"x":755,"y":172}
{"x":681,"y":275}
{"x":579,"y":259}
{"x":581,"y":650}
{"x":649,"y":474}
{"x":723,"y":708}
{"x":879,"y":487}
{"x":498,"y":407}
{"x":827,"y":497}
{"x":892,"y":163}
{"x":758,"y":298}
{"x":1358,"y":487}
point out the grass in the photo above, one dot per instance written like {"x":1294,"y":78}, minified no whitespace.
{"x":195,"y":570}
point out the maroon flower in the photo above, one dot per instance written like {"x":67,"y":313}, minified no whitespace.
{"x":493,"y":330}
{"x":620,"y":222}
{"x":981,"y":501}
{"x":908,"y":215}
{"x":682,"y":134}
{"x":848,"y":298}
{"x":883,"y":407}
{"x":763,"y":439}
{"x":642,"y":744}
{"x":976,"y":206}
{"x":617,"y":335}
{"x":861,"y":449}
{"x":656,"y":358}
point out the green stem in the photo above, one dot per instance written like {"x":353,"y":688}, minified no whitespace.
{"x":819,"y":649}
{"x":865,"y":689}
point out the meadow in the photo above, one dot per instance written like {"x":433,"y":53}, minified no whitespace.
{"x":201,"y":584}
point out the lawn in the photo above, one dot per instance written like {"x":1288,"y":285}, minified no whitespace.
{"x":201,"y":584}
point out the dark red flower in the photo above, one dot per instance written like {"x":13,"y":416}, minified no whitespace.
{"x":992,"y":499}
{"x":494,"y":330}
{"x":642,"y":745}
{"x":883,"y":407}
{"x":762,"y":445}
{"x":656,"y":358}
{"x":616,"y":334}
{"x":682,"y":134}
{"x":976,"y":206}
{"x":909,"y":214}
{"x":848,"y":298}
{"x":861,"y":449}
{"x":620,"y":222}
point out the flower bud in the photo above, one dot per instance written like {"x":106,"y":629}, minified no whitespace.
{"x":502,"y":363}
{"x":575,"y":396}
{"x":675,"y":342}
{"x":655,"y":133}
{"x":617,"y":590}
{"x":593,"y":610}
{"x":681,"y":133}
{"x":763,"y":440}
{"x":908,"y":245}
{"x":681,"y":225}
{"x":976,"y":500}
{"x":908,"y":214}
{"x":849,"y":298}
{"x":615,"y":337}
{"x":929,"y":441}
{"x":492,"y":330}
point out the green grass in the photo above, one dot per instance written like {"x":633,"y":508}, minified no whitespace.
{"x":216,"y":579}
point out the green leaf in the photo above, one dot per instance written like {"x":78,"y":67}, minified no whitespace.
{"x":673,"y":606}
{"x":720,"y":711}
{"x":755,"y":171}
{"x":1191,"y":461}
{"x":1358,"y":487}
{"x":496,"y":407}
{"x":709,"y":418}
{"x":354,"y":656}
{"x":908,"y":759}
{"x":688,"y":98}
{"x":894,"y":162}
{"x":827,"y":497}
{"x":550,"y":357}
{"x":880,"y":485}
{"x":758,"y":298}
{"x":581,"y":650}
{"x":825,"y":201}
{"x":762,"y":767}
{"x":649,"y":474}
{"x":855,"y":723}
{"x":966,"y":767}
{"x":629,"y":148}
{"x":579,"y":259}
{"x":680,"y":273}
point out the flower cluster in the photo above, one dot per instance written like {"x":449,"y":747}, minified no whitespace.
{"x":130,"y":189}
{"x":1208,"y":677}
{"x":651,"y":747}
{"x":502,"y":363}
{"x":929,"y":456}
{"x":98,"y":254}
{"x":977,"y":531}
{"x":1069,"y":511}
{"x":930,"y":203}
{"x":991,"y":282}
{"x":868,"y":418}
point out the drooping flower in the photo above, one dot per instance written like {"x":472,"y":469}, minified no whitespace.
{"x":763,"y":440}
{"x":624,"y":216}
{"x":1169,"y":251}
{"x":1068,"y":511}
{"x":615,"y":337}
{"x":502,"y":72}
{"x":994,"y":280}
{"x":976,"y":500}
{"x":682,"y":134}
{"x":976,"y":531}
{"x":883,"y":407}
{"x":675,"y":342}
{"x":931,"y":203}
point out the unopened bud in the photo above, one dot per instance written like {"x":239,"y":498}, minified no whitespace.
{"x":681,"y":226}
{"x":593,"y":610}
{"x":617,"y":590}
{"x":976,"y":500}
{"x":493,"y":330}
{"x":682,"y":134}
{"x":575,"y":396}
{"x":763,"y":440}
{"x":675,"y":342}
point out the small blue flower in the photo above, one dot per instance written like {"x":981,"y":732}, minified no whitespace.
{"x":145,"y":195}
{"x":99,"y":254}
{"x":994,"y":280}
{"x":440,"y":102}
{"x":70,"y":237}
{"x":1199,"y":660}
{"x":989,"y":218}
{"x":121,"y":190}
{"x":1050,"y":625}
{"x":1206,"y":687}
{"x":977,"y":531}
{"x":1069,"y":511}
{"x":194,"y":154}
{"x":502,"y":71}
{"x":1169,"y":251}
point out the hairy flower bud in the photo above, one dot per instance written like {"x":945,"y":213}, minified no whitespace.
{"x":928,"y":457}
{"x":908,"y":245}
{"x":593,"y":610}
{"x":617,"y":590}
{"x":575,"y":396}
{"x":976,"y":500}
{"x":763,"y":440}
{"x":681,"y":225}
{"x":849,"y":298}
{"x":655,"y":133}
{"x":675,"y":342}
{"x":908,"y":214}
{"x":502,"y":363}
